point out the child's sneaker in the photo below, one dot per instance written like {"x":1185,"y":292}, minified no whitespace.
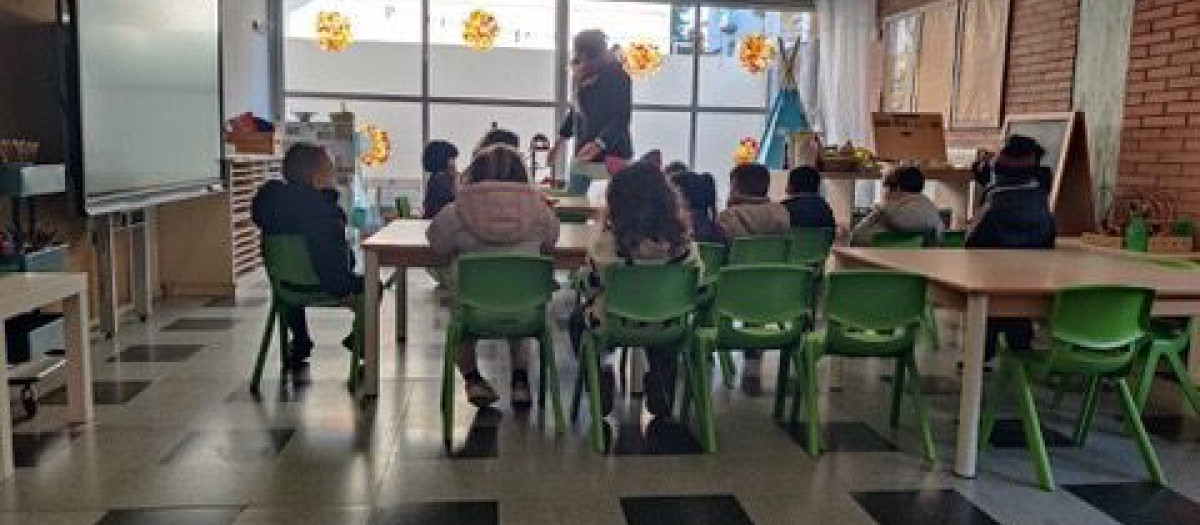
{"x":480,"y":393}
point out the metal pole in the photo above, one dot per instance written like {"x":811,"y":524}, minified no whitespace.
{"x":693,"y":114}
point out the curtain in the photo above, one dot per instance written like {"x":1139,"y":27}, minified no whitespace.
{"x":846,"y":31}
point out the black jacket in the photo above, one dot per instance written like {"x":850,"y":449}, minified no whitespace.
{"x":439,"y":191}
{"x":809,"y":210}
{"x":1015,"y":216}
{"x":605,"y":109}
{"x":280,"y":208}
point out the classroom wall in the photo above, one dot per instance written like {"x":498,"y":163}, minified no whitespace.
{"x":1041,"y":61}
{"x":246,"y":59}
{"x":1161,"y":136}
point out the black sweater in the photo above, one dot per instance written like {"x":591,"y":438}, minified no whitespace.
{"x":604,"y":111}
{"x":280,"y":208}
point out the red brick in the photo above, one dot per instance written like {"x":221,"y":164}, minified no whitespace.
{"x":1156,"y":14}
{"x":1191,"y":57}
{"x":1142,"y":134}
{"x":1187,"y":6}
{"x":1192,"y":81}
{"x":1187,"y":32}
{"x":1169,"y":72}
{"x":1145,"y":110}
{"x":1159,"y":145}
{"x":1171,"y":47}
{"x":1189,"y":157}
{"x":1166,"y":96}
{"x":1184,"y":108}
{"x":1166,"y":122}
{"x":1157,"y":169}
{"x":1175,"y":21}
{"x":1148,"y":62}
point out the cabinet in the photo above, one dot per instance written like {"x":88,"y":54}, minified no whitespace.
{"x":206,"y":244}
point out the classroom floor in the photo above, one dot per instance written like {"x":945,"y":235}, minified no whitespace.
{"x":179,"y":440}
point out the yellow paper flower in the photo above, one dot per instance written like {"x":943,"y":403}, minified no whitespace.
{"x":746,"y":152}
{"x":756,"y":52}
{"x":379,"y":147}
{"x":642,"y":59}
{"x":334,"y":32}
{"x":480,"y":30}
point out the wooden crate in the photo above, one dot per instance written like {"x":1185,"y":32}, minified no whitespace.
{"x":1168,"y":244}
{"x":1101,"y":240}
{"x":255,"y":142}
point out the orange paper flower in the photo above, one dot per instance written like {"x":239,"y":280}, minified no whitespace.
{"x":756,"y":52}
{"x":480,"y":30}
{"x":642,"y":59}
{"x":378,"y":149}
{"x":746,"y":152}
{"x":333,"y":31}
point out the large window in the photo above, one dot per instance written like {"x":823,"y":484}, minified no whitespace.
{"x":695,"y":108}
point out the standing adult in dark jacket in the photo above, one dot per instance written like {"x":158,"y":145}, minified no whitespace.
{"x":301,"y":205}
{"x":1015,"y":215}
{"x":600,"y":115}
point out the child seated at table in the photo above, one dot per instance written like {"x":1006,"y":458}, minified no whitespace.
{"x":750,"y":211}
{"x":438,"y":160}
{"x":905,"y":209}
{"x":699,"y":193}
{"x":644,"y":226}
{"x":1015,"y":215}
{"x":496,"y":211}
{"x":305,"y":203}
{"x":805,"y":205}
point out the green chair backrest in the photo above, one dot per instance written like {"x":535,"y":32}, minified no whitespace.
{"x":759,"y":249}
{"x":810,"y":246}
{"x":573,"y":217}
{"x":650,"y":293}
{"x":764,"y":293}
{"x":504,"y":282}
{"x":403,"y":207}
{"x":875,"y":299}
{"x":893,"y":239}
{"x":954,"y":239}
{"x":713,"y":255}
{"x":1098,"y":329}
{"x":290,"y":270}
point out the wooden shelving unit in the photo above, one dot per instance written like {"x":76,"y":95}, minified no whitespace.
{"x":207,"y":244}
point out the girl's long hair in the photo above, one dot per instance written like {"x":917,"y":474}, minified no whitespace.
{"x":699,"y":192}
{"x":498,"y":162}
{"x":642,"y":206}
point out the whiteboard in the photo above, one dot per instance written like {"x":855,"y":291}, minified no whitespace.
{"x":149,"y":100}
{"x":1050,"y":132}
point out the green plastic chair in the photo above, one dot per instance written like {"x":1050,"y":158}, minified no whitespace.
{"x":954,"y":239}
{"x":757,"y":307}
{"x":810,"y":246}
{"x":1170,"y":341}
{"x":573,"y":217}
{"x":1096,"y":332}
{"x":759,"y":249}
{"x":403,"y":207}
{"x":502,"y":296}
{"x":647,"y":306}
{"x":713,"y":255}
{"x":868,"y":313}
{"x":909,"y":240}
{"x":294,"y":284}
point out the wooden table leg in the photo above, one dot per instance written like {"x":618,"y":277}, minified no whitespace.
{"x":79,"y":360}
{"x":370,"y":384}
{"x":969,"y":404}
{"x":6,"y":446}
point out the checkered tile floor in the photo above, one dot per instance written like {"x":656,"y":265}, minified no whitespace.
{"x":179,"y":440}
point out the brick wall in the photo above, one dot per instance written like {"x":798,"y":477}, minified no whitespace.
{"x":1041,"y":61}
{"x":1160,"y":142}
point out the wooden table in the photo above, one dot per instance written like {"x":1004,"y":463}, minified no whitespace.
{"x":1016,"y":283}
{"x":23,"y":292}
{"x":402,"y":245}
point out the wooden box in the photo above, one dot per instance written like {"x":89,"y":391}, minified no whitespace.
{"x":1169,"y":244}
{"x":254,"y":142}
{"x":1102,"y":240}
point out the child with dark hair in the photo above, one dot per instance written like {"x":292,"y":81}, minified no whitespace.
{"x":750,"y":211}
{"x":905,"y":209}
{"x":676,"y":167}
{"x":305,"y":203}
{"x":805,"y":205}
{"x":497,"y":210}
{"x":699,"y":193}
{"x":438,"y":161}
{"x":644,"y":226}
{"x":1015,"y":214}
{"x":496,"y":136}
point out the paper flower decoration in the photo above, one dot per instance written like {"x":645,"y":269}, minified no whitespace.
{"x":642,"y":59}
{"x":480,"y":30}
{"x":333,"y":31}
{"x":746,"y":152}
{"x":378,"y":149}
{"x":756,"y":52}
